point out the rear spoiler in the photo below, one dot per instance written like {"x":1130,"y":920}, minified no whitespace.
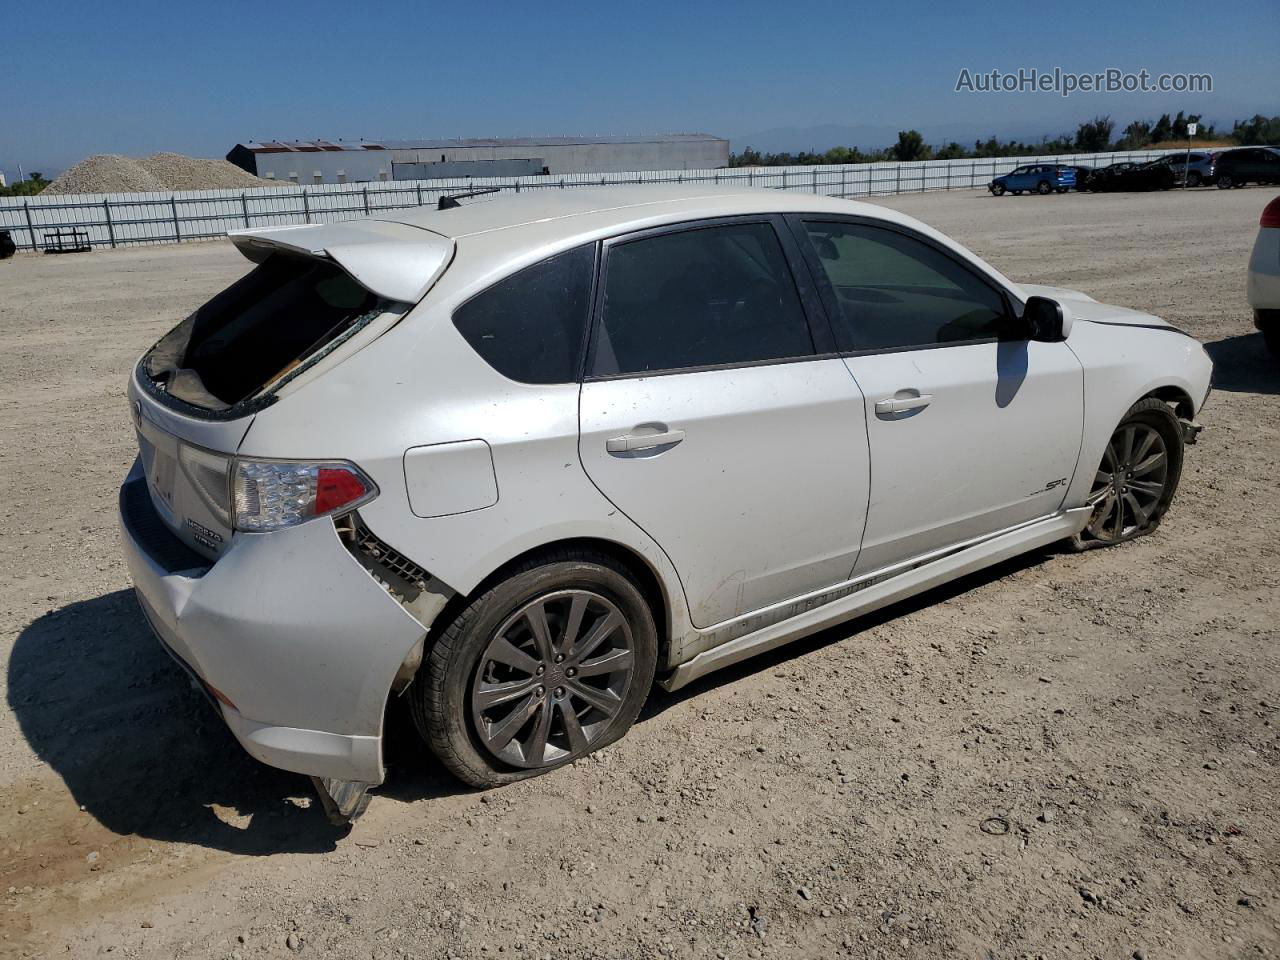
{"x":393,"y":260}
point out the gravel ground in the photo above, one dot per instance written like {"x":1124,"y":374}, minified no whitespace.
{"x":160,"y":172}
{"x":1064,"y":756}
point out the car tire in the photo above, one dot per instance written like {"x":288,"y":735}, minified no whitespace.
{"x":1140,"y":492}
{"x":1226,"y":181}
{"x":1271,"y":336}
{"x":997,"y":189}
{"x":1044,"y":188}
{"x":491,"y":648}
{"x":1194,"y":179}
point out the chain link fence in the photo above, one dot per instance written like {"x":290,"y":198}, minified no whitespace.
{"x":120,"y":219}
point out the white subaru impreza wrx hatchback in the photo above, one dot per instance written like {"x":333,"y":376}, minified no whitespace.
{"x":519,"y":457}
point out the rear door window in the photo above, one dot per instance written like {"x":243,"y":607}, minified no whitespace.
{"x":259,"y":330}
{"x":530,"y":327}
{"x":711,"y":296}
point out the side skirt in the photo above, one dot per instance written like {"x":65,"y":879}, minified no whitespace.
{"x":878,"y":590}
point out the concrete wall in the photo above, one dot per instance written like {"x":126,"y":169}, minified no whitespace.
{"x":370,"y":166}
{"x":466,"y":168}
{"x":589,"y":157}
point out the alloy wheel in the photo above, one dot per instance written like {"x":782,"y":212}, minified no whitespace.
{"x":552,"y":678}
{"x":1130,"y":483}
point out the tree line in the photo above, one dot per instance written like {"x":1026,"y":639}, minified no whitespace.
{"x":25,"y":188}
{"x":1092,"y":136}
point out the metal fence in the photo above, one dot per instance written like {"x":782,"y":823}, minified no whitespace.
{"x":120,"y":219}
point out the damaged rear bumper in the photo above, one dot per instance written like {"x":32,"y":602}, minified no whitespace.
{"x":293,"y":640}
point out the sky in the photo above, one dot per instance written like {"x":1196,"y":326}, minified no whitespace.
{"x":117,"y":76}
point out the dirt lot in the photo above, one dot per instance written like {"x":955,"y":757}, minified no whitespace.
{"x":1117,"y":710}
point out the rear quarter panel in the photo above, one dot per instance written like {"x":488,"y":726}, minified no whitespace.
{"x":422,"y":385}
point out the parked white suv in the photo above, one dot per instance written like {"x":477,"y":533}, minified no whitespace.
{"x":517,"y":458}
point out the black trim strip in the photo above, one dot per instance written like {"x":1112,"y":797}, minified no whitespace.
{"x":1168,"y":328}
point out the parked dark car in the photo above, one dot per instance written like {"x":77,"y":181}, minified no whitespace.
{"x":1235,"y":168}
{"x":1196,"y":168}
{"x":1082,"y":176}
{"x":1125,"y":175}
{"x":7,"y":246}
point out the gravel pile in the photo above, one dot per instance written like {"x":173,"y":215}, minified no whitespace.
{"x":160,"y":172}
{"x":177,"y":172}
{"x":105,"y":173}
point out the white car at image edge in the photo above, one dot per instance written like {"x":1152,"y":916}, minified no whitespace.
{"x":1264,"y":277}
{"x":520,"y":457}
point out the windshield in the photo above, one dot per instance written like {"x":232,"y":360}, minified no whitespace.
{"x":260,"y":329}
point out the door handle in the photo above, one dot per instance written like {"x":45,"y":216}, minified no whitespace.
{"x":643,"y":441}
{"x":891,"y":405}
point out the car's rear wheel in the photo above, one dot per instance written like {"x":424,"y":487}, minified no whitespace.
{"x":541,"y":668}
{"x":1194,"y":179}
{"x":1044,"y":188}
{"x":1226,"y":181}
{"x":1138,"y":476}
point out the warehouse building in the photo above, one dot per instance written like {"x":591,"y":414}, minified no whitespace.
{"x":356,"y":161}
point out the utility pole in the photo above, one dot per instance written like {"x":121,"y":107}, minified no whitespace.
{"x":1186,"y":166}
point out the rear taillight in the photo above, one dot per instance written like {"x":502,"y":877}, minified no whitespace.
{"x":258,"y":496}
{"x":273,"y":494}
{"x":1271,"y":214}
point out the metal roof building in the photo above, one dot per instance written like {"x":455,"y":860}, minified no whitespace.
{"x":354,"y":161}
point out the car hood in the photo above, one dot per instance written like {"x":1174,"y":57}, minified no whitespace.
{"x":1084,"y":307}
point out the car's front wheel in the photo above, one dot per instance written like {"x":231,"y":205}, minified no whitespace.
{"x":550,"y":663}
{"x":997,"y":189}
{"x":1271,"y":336}
{"x":1138,"y":476}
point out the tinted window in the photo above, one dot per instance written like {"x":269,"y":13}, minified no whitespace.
{"x":529,"y":327}
{"x":896,"y":291}
{"x":699,"y":298}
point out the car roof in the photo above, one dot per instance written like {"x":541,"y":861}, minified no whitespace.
{"x":620,"y":206}
{"x":401,"y":253}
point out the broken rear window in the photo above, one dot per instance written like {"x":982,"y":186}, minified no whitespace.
{"x":260,"y":329}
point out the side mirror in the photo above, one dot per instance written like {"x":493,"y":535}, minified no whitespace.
{"x":1045,"y":320}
